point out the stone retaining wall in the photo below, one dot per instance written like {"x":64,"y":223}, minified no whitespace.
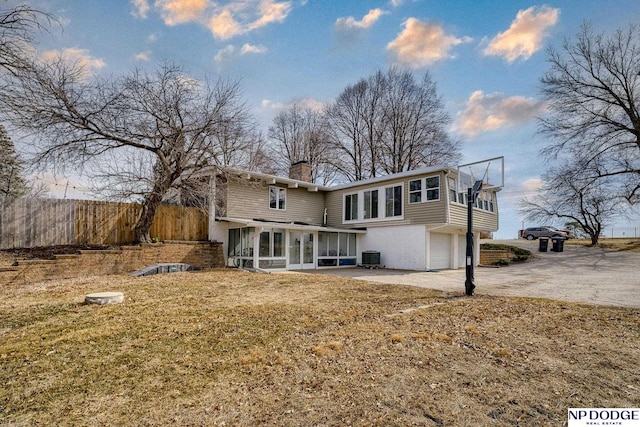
{"x":492,"y":256}
{"x":123,"y":261}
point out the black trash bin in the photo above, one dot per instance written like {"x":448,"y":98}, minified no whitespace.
{"x":544,"y":244}
{"x":558,"y":244}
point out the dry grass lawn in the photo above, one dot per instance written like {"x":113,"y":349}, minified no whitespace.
{"x":618,"y":244}
{"x":241,"y":349}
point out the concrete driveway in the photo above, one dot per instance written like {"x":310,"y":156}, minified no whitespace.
{"x":579,"y":274}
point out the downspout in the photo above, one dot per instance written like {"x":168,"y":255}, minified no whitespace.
{"x":324,"y":217}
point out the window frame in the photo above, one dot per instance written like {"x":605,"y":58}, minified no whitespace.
{"x":278,"y":192}
{"x":423,"y":192}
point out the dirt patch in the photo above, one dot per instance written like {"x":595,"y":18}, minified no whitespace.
{"x":235,"y":348}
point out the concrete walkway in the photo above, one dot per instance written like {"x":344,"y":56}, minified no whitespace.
{"x":579,"y":274}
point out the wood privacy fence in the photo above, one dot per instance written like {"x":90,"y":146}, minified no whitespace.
{"x":28,"y":223}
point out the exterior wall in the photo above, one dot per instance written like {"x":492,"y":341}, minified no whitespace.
{"x":482,"y":220}
{"x":400,"y":247}
{"x":431,"y":212}
{"x":251,"y":200}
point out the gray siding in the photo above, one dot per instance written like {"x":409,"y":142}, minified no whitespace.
{"x":432,"y":212}
{"x":250,"y":199}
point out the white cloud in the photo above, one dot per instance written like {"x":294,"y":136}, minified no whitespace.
{"x":533,"y":184}
{"x":247,"y":48}
{"x":225,"y":20}
{"x":225,"y":54}
{"x":487,"y":112}
{"x":223,"y":26}
{"x":141,"y":8}
{"x":143,"y":56}
{"x":525,"y":35}
{"x":176,"y":12}
{"x":350,"y":23}
{"x":421,"y":44}
{"x":396,"y":3}
{"x":276,"y":107}
{"x":75,"y":56}
{"x":271,"y":11}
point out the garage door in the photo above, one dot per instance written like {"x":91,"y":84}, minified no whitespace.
{"x":440,"y":252}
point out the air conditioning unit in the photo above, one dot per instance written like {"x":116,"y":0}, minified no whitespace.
{"x":370,"y":259}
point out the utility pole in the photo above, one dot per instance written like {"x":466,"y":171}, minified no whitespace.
{"x":472,"y":193}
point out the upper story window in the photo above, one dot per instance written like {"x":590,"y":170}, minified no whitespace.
{"x":371,"y":204}
{"x":351,"y":207}
{"x":453,"y":193}
{"x":424,"y":189}
{"x":393,"y":201}
{"x":277,"y":198}
{"x":374,"y":204}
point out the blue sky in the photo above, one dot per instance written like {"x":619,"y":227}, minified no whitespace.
{"x":485,"y":56}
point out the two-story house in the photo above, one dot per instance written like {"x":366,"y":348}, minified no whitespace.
{"x":416,"y":220}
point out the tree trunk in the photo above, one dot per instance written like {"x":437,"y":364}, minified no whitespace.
{"x":151,"y":203}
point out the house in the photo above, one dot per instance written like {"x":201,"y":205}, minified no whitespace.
{"x":416,"y":220}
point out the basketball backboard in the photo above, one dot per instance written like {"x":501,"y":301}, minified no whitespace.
{"x":489,"y":171}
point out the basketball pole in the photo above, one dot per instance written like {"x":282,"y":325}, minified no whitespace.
{"x":472,"y":193}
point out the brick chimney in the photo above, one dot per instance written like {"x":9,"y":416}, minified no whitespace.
{"x":300,"y":171}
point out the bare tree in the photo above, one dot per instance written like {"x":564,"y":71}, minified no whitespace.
{"x":299,"y":134}
{"x":389,"y":123}
{"x":415,"y":121}
{"x":17,"y":27}
{"x":571,"y":195}
{"x":593,"y":91}
{"x":142,"y":134}
{"x":12,"y":183}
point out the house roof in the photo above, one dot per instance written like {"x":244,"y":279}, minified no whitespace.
{"x":293,"y":183}
{"x":287,"y":225}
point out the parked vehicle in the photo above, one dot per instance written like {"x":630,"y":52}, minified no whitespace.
{"x":532,"y":233}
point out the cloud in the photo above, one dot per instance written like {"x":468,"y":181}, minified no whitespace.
{"x":143,"y":56}
{"x":75,"y":56}
{"x":396,"y":3}
{"x":229,"y":52}
{"x":533,"y":184}
{"x":421,"y":44}
{"x":277,"y":107}
{"x":223,"y":26}
{"x":141,"y":8}
{"x":247,"y":48}
{"x":225,"y":54}
{"x":489,"y":112}
{"x":225,"y":20}
{"x":271,"y":11}
{"x":176,"y":12}
{"x":525,"y":35}
{"x":350,"y":23}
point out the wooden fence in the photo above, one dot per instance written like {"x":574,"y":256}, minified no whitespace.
{"x":28,"y":223}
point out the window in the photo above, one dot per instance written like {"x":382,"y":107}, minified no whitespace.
{"x":271,"y":251}
{"x":432,"y":185}
{"x":421,"y":190}
{"x":415,"y":191}
{"x":393,"y":201}
{"x":351,"y":207}
{"x":453,"y":193}
{"x":277,"y":198}
{"x":371,"y":204}
{"x":336,"y":249}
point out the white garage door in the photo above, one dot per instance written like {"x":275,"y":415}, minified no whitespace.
{"x":440,"y":252}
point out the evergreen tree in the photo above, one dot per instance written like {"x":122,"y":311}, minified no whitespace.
{"x":12,"y":185}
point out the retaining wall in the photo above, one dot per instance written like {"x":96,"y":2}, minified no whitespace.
{"x":204,"y":255}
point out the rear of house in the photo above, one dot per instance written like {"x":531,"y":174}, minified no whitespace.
{"x":415,"y":220}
